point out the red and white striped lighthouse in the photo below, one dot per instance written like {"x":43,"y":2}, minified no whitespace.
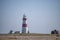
{"x":24,"y":25}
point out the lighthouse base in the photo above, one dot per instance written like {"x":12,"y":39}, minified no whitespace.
{"x":24,"y":29}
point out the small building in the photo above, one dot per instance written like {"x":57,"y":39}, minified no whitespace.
{"x":55,"y":32}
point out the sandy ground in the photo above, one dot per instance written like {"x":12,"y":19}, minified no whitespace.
{"x":29,"y":37}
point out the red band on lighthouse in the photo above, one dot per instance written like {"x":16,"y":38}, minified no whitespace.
{"x":24,"y":25}
{"x":24,"y":18}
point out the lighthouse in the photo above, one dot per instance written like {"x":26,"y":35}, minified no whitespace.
{"x":24,"y":25}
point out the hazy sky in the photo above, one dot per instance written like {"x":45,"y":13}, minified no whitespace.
{"x":42,"y":15}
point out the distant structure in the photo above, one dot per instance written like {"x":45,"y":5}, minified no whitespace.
{"x":11,"y":32}
{"x":55,"y":32}
{"x":24,"y":25}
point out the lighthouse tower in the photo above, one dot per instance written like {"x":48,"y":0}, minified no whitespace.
{"x":24,"y":25}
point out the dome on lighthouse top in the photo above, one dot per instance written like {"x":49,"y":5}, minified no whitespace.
{"x":24,"y":15}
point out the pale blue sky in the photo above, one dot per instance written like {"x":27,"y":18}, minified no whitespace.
{"x":42,"y":15}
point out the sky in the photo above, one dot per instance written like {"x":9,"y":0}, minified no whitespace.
{"x":43,"y":16}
